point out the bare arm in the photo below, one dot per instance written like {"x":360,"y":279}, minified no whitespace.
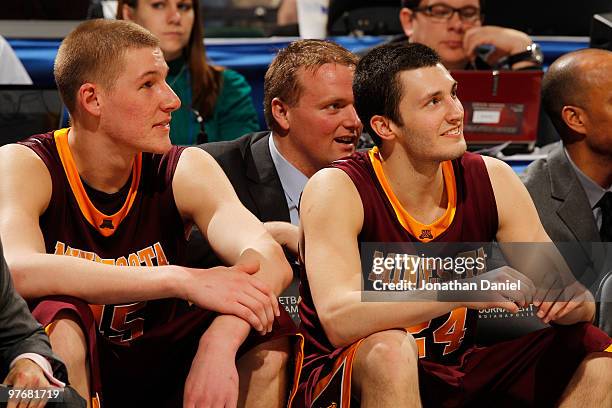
{"x":506,"y":41}
{"x":519,"y":223}
{"x":286,"y":234}
{"x":204,"y":194}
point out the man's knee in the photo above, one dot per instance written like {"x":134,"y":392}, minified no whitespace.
{"x":268,"y":360}
{"x":68,"y":339}
{"x":596,"y":367}
{"x":390,"y":355}
{"x":263,"y":375}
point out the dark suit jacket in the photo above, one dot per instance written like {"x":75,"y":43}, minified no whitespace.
{"x":560,"y":199}
{"x":247,"y":162}
{"x":19,"y":331}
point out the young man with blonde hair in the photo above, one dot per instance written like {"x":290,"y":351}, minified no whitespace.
{"x":94,"y":221}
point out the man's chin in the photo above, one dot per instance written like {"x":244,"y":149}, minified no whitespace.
{"x":343,"y":149}
{"x":459,"y":149}
{"x":455,"y":151}
{"x":160,"y":148}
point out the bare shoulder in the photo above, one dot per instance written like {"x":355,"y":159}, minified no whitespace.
{"x":194,"y":158}
{"x":197,"y":167}
{"x":504,"y":180}
{"x":518,"y":218}
{"x":502,"y":176}
{"x":14,"y":154}
{"x":18,"y":162}
{"x":25,"y":178}
{"x":200,"y":186}
{"x":496,"y":167}
{"x":330,"y":183}
{"x":330,"y":195}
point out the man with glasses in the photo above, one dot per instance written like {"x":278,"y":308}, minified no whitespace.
{"x":454,"y":29}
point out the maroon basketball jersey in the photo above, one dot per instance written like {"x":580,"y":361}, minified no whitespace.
{"x":470,"y":219}
{"x":146,"y":230}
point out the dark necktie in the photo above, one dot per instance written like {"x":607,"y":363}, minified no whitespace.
{"x":605,"y":232}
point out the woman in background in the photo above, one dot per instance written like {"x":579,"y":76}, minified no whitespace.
{"x":215,"y":97}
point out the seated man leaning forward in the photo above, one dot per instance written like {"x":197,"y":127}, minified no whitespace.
{"x":135,"y":327}
{"x":419,"y":185}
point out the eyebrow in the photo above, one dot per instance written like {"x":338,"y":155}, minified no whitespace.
{"x":152,"y":72}
{"x":438,"y":93}
{"x":335,"y":99}
{"x":146,"y":74}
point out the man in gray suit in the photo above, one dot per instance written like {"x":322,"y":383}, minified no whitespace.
{"x":308,"y":105}
{"x":571,"y":188}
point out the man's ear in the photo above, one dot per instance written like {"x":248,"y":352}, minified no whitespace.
{"x":382,"y":127}
{"x":405,"y":17}
{"x":127,"y":12}
{"x":574,"y":118}
{"x":280,"y":112}
{"x":88,"y":98}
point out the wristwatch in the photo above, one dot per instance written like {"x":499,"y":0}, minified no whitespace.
{"x":533,"y":53}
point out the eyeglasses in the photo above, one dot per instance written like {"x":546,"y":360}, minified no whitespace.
{"x":443,"y":12}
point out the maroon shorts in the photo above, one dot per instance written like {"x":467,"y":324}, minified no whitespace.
{"x":150,"y":370}
{"x":532,"y":370}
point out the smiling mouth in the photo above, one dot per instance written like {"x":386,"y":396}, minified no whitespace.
{"x":453,"y":132}
{"x":347,"y":140}
{"x":162,"y":124}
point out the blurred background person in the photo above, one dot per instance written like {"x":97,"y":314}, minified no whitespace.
{"x":454,"y":28}
{"x":287,"y":12}
{"x":215,"y":102}
{"x":12,"y":71}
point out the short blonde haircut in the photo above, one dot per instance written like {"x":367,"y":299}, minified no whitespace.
{"x":94,"y":52}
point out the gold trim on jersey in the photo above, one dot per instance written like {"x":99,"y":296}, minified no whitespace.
{"x":104,"y":224}
{"x":422,"y":232}
{"x":95,"y":401}
{"x":299,"y":363}
{"x":49,"y":328}
{"x":342,"y":366}
{"x":609,"y":349}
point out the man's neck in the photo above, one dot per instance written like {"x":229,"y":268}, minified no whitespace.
{"x":291,"y":154}
{"x":597,"y":167}
{"x":100,"y":163}
{"x":418,"y":185}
